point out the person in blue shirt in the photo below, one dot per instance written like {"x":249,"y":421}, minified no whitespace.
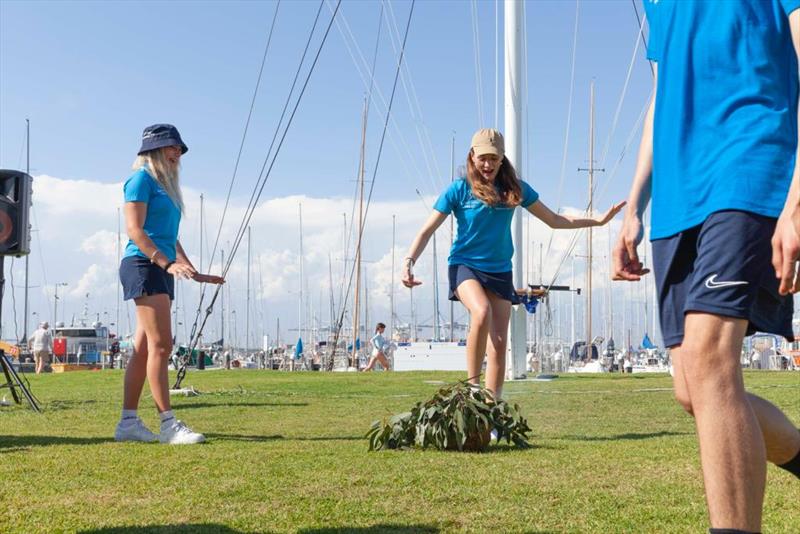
{"x":379,"y":346}
{"x":719,"y":157}
{"x":153,"y":258}
{"x":483,"y":204}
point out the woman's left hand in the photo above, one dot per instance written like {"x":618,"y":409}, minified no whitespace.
{"x":611,"y":213}
{"x":208,"y":278}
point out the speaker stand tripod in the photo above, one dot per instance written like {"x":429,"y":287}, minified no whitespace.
{"x":13,"y":381}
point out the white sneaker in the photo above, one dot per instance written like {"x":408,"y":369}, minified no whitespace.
{"x":493,"y":436}
{"x":177,"y":433}
{"x":133,"y":430}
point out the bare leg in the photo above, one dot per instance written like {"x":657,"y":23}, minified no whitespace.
{"x":384,"y":361}
{"x":152,"y":316}
{"x":136,"y":371}
{"x":781,"y":437}
{"x":473,"y":296}
{"x":732,"y":451}
{"x":379,"y":357}
{"x":498,"y":342}
{"x":39,"y":363}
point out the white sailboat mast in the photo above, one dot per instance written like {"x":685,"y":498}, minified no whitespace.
{"x":28,"y":172}
{"x":356,"y":293}
{"x":513,"y":22}
{"x":589,"y":351}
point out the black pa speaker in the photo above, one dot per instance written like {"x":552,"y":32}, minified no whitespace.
{"x":15,"y":204}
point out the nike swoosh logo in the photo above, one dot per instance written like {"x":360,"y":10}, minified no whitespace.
{"x":711,"y":283}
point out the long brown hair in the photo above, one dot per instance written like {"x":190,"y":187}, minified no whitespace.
{"x":504,"y":190}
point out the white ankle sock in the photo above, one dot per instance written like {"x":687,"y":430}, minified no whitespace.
{"x":128,"y":415}
{"x":166,"y":417}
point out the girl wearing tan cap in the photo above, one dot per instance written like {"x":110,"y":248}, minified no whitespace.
{"x":480,"y":259}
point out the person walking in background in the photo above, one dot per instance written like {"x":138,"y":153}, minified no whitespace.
{"x":379,"y":345}
{"x":41,"y":342}
{"x":719,"y":156}
{"x":152,"y":260}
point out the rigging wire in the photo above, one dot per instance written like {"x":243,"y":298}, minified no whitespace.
{"x":265,"y":172}
{"x":375,"y":169}
{"x":41,"y":257}
{"x":635,"y":128}
{"x":268,"y":164}
{"x":343,"y":302}
{"x":577,"y":234}
{"x":569,"y":119}
{"x":477,"y":55}
{"x":407,"y":156}
{"x":423,"y":134}
{"x":644,"y":41}
{"x":496,"y":123}
{"x":621,"y":99}
{"x":236,"y":164}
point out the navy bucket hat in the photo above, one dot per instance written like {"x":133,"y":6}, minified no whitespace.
{"x":159,"y":136}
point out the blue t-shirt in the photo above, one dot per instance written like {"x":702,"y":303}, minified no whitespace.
{"x":483,"y":239}
{"x":725,"y":128}
{"x":163,"y":216}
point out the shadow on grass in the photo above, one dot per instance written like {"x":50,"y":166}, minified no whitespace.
{"x":197,"y":528}
{"x":15,"y":443}
{"x":190,"y":405}
{"x":211,"y":528}
{"x":375,"y":529}
{"x":242,"y":437}
{"x":507,"y":448}
{"x":245,"y":437}
{"x":55,"y":405}
{"x":329,"y":438}
{"x":624,"y":437}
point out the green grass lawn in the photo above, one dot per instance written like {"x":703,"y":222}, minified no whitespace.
{"x":286,"y":453}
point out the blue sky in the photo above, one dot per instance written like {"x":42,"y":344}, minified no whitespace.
{"x":91,"y":75}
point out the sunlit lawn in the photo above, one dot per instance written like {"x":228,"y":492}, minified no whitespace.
{"x":286,"y":453}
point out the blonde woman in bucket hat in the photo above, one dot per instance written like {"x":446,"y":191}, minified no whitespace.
{"x":153,"y":258}
{"x":483,"y":204}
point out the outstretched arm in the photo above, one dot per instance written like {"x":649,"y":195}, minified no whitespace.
{"x":556,"y":220}
{"x":434,"y":221}
{"x":183,"y":259}
{"x":625,"y":256}
{"x":786,"y":239}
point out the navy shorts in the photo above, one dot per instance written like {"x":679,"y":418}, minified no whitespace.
{"x":723,"y":267}
{"x":502,"y":284}
{"x":139,"y":278}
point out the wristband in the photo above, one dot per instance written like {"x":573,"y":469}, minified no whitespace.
{"x":410,"y":259}
{"x":168,"y":265}
{"x":153,"y":256}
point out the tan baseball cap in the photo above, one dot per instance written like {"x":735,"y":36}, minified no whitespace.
{"x":488,"y":141}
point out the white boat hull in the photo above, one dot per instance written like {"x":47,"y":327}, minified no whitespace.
{"x":433,"y":356}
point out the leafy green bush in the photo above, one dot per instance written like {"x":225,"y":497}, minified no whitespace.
{"x":459,"y":417}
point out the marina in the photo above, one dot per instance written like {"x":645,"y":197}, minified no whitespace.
{"x":399,"y":267}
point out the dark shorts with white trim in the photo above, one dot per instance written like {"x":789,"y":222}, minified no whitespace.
{"x":722,"y":267}
{"x":141,"y":278}
{"x":501,"y":284}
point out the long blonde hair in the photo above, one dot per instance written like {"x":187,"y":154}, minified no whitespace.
{"x":504,"y":190}
{"x":163,"y":172}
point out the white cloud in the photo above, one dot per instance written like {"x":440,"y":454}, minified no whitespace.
{"x":75,"y":241}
